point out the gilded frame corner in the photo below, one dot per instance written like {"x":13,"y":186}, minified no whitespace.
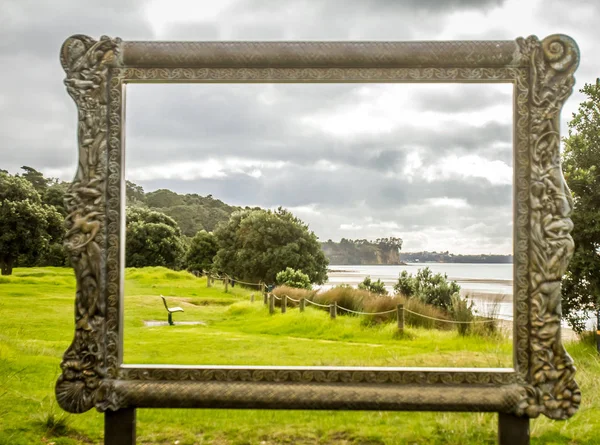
{"x":542,"y":378}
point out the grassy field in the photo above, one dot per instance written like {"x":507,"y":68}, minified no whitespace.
{"x":36,"y":326}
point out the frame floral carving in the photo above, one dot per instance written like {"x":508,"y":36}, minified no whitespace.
{"x":542,"y":378}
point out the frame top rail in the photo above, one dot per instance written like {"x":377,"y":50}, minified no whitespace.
{"x":431,"y":54}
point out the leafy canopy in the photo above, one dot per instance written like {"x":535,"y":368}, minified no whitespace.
{"x":581,"y":159}
{"x":254,"y":245}
{"x":27,"y":226}
{"x":152,"y":239}
{"x":201,"y":252}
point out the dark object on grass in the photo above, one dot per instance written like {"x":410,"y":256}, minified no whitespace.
{"x":170,"y":310}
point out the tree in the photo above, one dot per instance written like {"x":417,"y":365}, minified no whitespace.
{"x":581,"y":159}
{"x":293,"y":278}
{"x":134,"y":194}
{"x":54,"y":195}
{"x":36,"y":179}
{"x":27,"y":227}
{"x":254,"y":245}
{"x":201,"y":252}
{"x":152,"y":239}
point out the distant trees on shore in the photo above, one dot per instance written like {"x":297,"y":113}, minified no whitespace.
{"x":446,"y":257}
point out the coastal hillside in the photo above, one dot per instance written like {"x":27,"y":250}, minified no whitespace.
{"x":363,"y":252}
{"x":192,"y":212}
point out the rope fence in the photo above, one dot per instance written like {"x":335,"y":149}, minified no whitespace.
{"x":269,"y":298}
{"x":334,"y":308}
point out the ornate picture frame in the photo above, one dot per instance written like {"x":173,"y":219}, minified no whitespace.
{"x":542,"y":378}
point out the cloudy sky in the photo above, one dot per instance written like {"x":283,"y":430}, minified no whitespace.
{"x":429,"y":163}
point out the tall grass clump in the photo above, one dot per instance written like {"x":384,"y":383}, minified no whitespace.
{"x":491,"y":327}
{"x":292,"y":292}
{"x":461,"y":310}
{"x":345,"y":297}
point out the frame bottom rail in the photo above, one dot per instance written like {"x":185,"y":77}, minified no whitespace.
{"x":322,"y":396}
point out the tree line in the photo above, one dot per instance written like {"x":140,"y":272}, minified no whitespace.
{"x":446,"y":257}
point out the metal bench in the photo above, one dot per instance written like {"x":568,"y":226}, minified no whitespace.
{"x":170,"y":310}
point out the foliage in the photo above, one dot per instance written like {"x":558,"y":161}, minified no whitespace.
{"x":293,"y":278}
{"x":405,"y":285}
{"x":134,"y":195}
{"x":201,"y":252}
{"x":27,"y":227}
{"x":362,"y":251}
{"x":54,"y":195}
{"x":581,"y":158}
{"x":429,"y":288}
{"x":192,"y":212}
{"x":152,"y":239}
{"x":254,"y":245}
{"x":376,"y":287}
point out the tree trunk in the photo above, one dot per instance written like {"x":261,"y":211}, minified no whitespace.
{"x":6,"y":266}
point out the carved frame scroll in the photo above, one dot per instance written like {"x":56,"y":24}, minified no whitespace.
{"x":542,"y":378}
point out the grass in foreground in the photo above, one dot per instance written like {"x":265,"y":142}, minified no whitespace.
{"x":36,"y":327}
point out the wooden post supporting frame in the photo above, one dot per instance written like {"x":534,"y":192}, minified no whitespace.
{"x":333,"y":310}
{"x":283,"y":304}
{"x":251,"y":298}
{"x":263,"y":290}
{"x":302,"y":304}
{"x":119,"y":427}
{"x":400,"y":310}
{"x":226,"y":282}
{"x":513,"y":430}
{"x":208,"y":278}
{"x":271,"y":304}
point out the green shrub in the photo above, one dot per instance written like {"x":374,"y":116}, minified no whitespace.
{"x":376,"y":287}
{"x":293,"y":278}
{"x":406,"y":285}
{"x":432,"y":289}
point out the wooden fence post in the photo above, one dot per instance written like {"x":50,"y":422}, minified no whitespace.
{"x":208,"y":277}
{"x":333,"y":310}
{"x":271,"y":304}
{"x":226,"y":282}
{"x":283,"y":304}
{"x":302,"y":303}
{"x":400,"y":310}
{"x":251,"y":298}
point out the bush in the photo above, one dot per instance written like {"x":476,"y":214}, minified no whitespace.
{"x":376,"y":287}
{"x":427,"y":287}
{"x":293,"y":278}
{"x":406,"y":285}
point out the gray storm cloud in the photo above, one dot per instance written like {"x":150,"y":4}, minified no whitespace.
{"x":344,"y":163}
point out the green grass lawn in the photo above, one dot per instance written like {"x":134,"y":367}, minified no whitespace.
{"x":36,"y":326}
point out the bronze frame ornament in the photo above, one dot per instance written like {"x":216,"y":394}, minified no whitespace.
{"x":541,"y":380}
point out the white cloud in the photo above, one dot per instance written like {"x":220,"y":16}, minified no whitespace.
{"x":455,"y":203}
{"x":470,"y":166}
